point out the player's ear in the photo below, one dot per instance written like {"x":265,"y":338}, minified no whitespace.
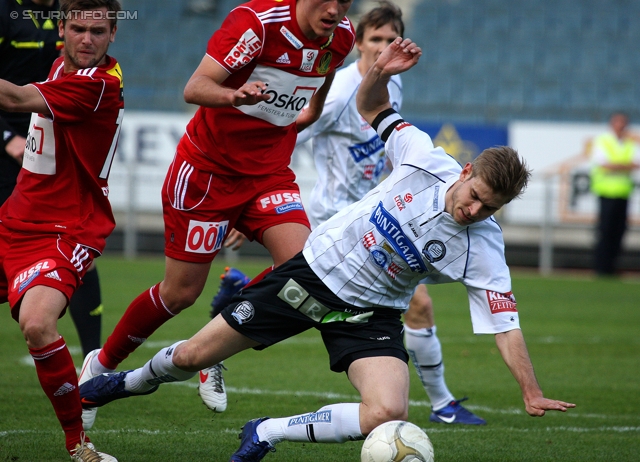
{"x":466,"y":172}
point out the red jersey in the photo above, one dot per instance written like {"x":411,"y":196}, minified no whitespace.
{"x":62,"y":187}
{"x":261,"y":40}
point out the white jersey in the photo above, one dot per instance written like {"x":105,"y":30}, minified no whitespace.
{"x":348,"y":153}
{"x":376,"y":251}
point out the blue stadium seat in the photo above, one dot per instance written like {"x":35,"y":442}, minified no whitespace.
{"x":555,"y":59}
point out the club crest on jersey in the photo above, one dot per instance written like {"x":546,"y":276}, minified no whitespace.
{"x":434,"y":251}
{"x":308,"y":59}
{"x":243,"y":312}
{"x":244,"y":51}
{"x":205,"y":237}
{"x":500,"y":303}
{"x":362,"y":151}
{"x":280,"y":201}
{"x":26,"y":277}
{"x":293,"y":40}
{"x":391,"y":230}
{"x":325,"y":63}
{"x":402,"y":200}
{"x":311,"y":418}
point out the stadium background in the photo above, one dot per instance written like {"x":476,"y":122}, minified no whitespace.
{"x":542,"y":76}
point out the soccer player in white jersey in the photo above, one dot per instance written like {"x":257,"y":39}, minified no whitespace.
{"x":430,"y":218}
{"x":349,"y":158}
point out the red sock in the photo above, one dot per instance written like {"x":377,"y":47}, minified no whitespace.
{"x":259,"y":277}
{"x":145,"y":314}
{"x":58,"y":379}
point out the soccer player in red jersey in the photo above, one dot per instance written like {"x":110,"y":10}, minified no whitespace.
{"x":58,"y":217}
{"x":268,"y":60}
{"x":29,"y":44}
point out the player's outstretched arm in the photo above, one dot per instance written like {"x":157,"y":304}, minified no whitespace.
{"x":14,"y":98}
{"x":514,"y":352}
{"x":313,"y":112}
{"x":205,"y":88}
{"x":373,"y":97}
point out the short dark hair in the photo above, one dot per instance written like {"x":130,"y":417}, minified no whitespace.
{"x":386,"y":13}
{"x":503,"y":170}
{"x":66,"y":6}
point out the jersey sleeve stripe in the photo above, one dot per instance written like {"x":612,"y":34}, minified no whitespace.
{"x":275,"y":14}
{"x":277,"y":9}
{"x":279,"y":13}
{"x":268,"y":21}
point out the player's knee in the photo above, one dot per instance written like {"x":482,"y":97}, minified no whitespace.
{"x":381,"y":413}
{"x":180,"y":299}
{"x":35,"y":332}
{"x":186,"y":358}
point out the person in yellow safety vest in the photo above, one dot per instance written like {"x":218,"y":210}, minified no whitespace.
{"x":615,"y":155}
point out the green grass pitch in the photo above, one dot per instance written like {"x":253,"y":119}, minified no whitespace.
{"x":583,"y":336}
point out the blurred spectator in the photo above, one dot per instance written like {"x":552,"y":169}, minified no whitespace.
{"x":614,"y":157}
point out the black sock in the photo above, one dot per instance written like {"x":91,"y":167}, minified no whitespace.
{"x":86,"y":311}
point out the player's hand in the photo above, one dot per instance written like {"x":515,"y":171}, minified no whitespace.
{"x":235,"y":239}
{"x":15,"y":148}
{"x":250,"y":93}
{"x":400,"y":56}
{"x":537,"y":406}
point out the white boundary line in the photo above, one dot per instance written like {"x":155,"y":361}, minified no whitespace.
{"x":355,"y":398}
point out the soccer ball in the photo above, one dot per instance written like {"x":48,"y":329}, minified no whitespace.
{"x":397,"y":441}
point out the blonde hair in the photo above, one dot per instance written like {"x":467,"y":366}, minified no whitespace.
{"x":503,"y":170}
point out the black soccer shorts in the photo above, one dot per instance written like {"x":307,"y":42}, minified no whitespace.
{"x":292,"y":299}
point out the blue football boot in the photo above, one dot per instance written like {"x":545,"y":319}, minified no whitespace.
{"x":230,"y":284}
{"x":251,"y":448}
{"x":455,"y":413}
{"x":104,"y":388}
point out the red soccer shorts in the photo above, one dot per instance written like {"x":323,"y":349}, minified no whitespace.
{"x":200,"y":208}
{"x":28,"y":260}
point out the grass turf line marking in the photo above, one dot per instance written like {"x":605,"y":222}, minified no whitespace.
{"x":356,"y":398}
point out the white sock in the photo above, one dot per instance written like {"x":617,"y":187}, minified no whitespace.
{"x":426,"y":355}
{"x":335,"y":423}
{"x":96,"y":367}
{"x":160,"y":369}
